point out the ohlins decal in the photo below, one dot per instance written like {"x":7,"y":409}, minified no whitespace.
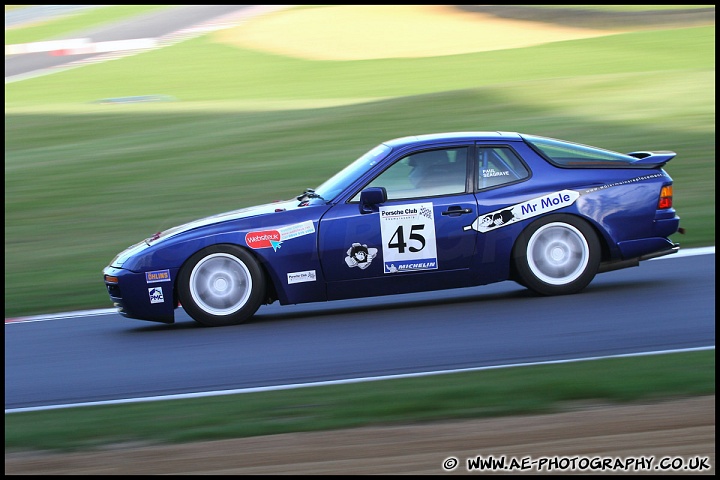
{"x":157,"y":276}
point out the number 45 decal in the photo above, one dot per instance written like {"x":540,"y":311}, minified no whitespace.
{"x":408,"y":237}
{"x":398,"y":239}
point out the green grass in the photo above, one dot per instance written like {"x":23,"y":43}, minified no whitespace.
{"x":202,"y":70}
{"x":490,"y":393}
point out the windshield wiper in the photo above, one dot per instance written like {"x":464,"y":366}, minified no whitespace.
{"x":308,"y":194}
{"x":305,"y":193}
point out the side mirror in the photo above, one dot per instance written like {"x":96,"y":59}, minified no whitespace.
{"x":370,"y":197}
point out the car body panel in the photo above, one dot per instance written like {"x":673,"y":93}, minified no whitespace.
{"x":436,"y":244}
{"x":314,"y":249}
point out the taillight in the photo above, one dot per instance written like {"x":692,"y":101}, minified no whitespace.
{"x":666,"y":194}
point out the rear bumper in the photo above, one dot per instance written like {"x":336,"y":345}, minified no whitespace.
{"x":635,"y":261}
{"x":664,"y":226}
{"x":653,"y":243}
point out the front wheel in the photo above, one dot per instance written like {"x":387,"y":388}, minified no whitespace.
{"x":221,"y":285}
{"x":557,"y":255}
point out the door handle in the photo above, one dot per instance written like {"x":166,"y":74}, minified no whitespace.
{"x":456,"y":210}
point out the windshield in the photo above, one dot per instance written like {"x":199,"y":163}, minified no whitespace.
{"x":344,"y":178}
{"x":573,"y":154}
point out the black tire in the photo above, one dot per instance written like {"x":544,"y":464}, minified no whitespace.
{"x":556,"y":255}
{"x":221,"y":285}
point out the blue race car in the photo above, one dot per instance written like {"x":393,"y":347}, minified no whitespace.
{"x":413,"y":214}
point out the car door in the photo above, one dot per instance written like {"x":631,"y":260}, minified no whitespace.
{"x":500,"y":187}
{"x":418,"y":239}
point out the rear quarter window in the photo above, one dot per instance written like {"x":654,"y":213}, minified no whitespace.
{"x":499,"y":166}
{"x":575,"y":155}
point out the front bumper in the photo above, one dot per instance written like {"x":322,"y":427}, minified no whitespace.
{"x":142,"y":296}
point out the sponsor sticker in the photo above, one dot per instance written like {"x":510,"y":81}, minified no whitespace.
{"x":360,"y":256}
{"x":274,"y":238}
{"x":157,"y":276}
{"x":624,"y":182}
{"x":521,"y":211}
{"x":156,"y":295}
{"x":264,"y":239}
{"x":298,"y":230}
{"x":300,"y":277}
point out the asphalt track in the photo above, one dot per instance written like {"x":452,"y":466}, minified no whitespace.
{"x":662,"y":305}
{"x":665,"y":304}
{"x":142,"y":32}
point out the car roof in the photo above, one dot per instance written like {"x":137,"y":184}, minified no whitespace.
{"x":451,"y":136}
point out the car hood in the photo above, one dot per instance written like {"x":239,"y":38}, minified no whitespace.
{"x":223,"y":217}
{"x":159,"y":237}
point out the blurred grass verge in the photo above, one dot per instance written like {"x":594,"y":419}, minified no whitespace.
{"x":484,"y":394}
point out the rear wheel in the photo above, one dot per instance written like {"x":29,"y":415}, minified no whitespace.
{"x":221,"y":285}
{"x":557,"y":255}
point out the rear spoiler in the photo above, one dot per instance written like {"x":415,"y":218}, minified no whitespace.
{"x":653,"y":159}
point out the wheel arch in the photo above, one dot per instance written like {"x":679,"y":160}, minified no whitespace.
{"x":605,"y":250}
{"x":271,"y":289}
{"x":518,"y":255}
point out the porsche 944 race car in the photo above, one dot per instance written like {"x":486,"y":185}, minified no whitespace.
{"x":413,"y":214}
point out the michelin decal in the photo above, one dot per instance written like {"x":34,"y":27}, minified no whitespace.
{"x":521,"y":211}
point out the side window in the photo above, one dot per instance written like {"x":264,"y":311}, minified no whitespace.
{"x":498,"y":166}
{"x":425,"y":174}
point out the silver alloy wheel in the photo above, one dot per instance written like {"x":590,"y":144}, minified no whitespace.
{"x":558,"y":253}
{"x":220,"y":284}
